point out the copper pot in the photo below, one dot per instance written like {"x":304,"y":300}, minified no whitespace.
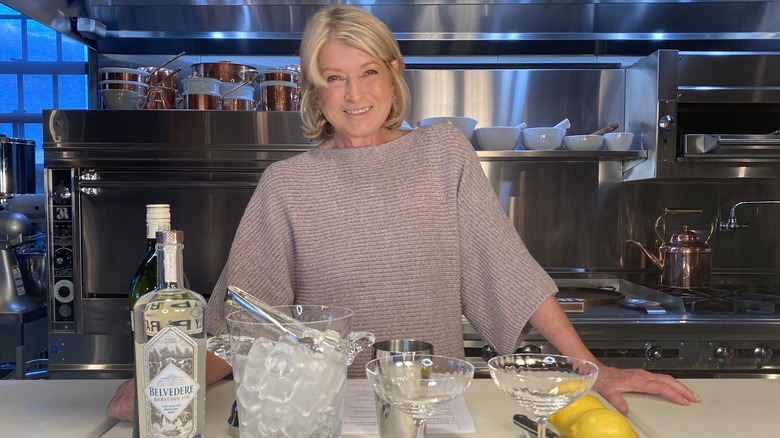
{"x":225,"y":71}
{"x":140,"y":87}
{"x":278,"y":74}
{"x":237,"y":104}
{"x":163,"y":83}
{"x":201,"y":101}
{"x":278,"y":96}
{"x":123,"y":74}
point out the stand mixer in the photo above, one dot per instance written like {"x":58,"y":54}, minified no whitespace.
{"x":15,"y":230}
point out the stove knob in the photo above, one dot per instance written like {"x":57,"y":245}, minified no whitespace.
{"x":525,"y":349}
{"x":666,"y":123}
{"x":653,"y":352}
{"x":762,"y":354}
{"x":488,"y":353}
{"x":724,"y":354}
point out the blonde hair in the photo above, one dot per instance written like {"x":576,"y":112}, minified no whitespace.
{"x":361,"y":30}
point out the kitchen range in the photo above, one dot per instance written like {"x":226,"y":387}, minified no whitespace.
{"x":727,"y":330}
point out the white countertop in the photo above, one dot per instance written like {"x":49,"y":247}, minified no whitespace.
{"x":76,"y":408}
{"x":729,"y":408}
{"x":492,"y":419}
{"x":59,"y":408}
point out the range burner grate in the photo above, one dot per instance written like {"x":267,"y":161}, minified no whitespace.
{"x":728,"y":299}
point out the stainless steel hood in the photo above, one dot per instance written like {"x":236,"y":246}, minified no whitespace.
{"x":424,"y":28}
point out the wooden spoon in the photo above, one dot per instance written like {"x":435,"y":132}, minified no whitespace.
{"x":609,"y":128}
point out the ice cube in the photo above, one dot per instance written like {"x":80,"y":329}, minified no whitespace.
{"x":273,"y":417}
{"x":281,"y":360}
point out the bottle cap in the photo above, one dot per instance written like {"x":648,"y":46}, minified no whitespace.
{"x":169,"y":237}
{"x":158,"y":212}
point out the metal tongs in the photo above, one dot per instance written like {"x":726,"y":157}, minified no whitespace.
{"x":288,"y":326}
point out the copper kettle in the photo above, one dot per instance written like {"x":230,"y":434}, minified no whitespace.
{"x":685,"y":261}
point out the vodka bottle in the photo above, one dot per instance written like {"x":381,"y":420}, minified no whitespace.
{"x":158,"y":218}
{"x":170,"y":350}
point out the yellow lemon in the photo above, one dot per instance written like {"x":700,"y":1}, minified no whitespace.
{"x":563,"y":419}
{"x":602,"y":423}
{"x":569,"y":387}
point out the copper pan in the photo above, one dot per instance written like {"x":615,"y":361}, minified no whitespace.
{"x":237,"y":104}
{"x":225,"y":71}
{"x":201,"y":102}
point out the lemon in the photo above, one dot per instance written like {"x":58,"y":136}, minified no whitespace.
{"x":572,"y":388}
{"x":602,"y":423}
{"x":563,"y":419}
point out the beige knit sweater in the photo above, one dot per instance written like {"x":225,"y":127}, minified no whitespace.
{"x":408,"y":234}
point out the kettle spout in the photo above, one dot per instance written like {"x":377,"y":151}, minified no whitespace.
{"x":656,"y":261}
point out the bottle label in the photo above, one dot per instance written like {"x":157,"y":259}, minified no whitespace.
{"x":186,"y":315}
{"x":171,"y":358}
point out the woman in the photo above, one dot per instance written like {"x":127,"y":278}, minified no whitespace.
{"x":400,"y":226}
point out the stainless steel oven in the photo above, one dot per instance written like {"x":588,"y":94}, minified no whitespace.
{"x":102,"y":168}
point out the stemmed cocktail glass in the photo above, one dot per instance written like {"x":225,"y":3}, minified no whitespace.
{"x":418,"y":384}
{"x":542,"y":383}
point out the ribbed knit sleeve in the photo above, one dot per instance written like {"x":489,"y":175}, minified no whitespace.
{"x":261,"y":255}
{"x":502,"y":284}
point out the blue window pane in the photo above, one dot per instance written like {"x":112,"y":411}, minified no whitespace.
{"x":73,"y":50}
{"x":5,"y":10}
{"x":42,"y":42}
{"x":7,"y":129}
{"x":34,"y":131}
{"x":9,"y":94}
{"x":11,"y":36}
{"x":72,"y":92}
{"x":38,"y":94}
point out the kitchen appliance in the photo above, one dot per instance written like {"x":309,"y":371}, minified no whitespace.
{"x":100,"y":175}
{"x":17,"y":166}
{"x":713,"y":114}
{"x":22,"y":320}
{"x":727,"y":330}
{"x":15,"y":228}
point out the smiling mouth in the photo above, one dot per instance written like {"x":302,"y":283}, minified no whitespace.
{"x":357,"y":112}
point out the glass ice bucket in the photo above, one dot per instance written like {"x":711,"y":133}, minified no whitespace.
{"x":290,"y":381}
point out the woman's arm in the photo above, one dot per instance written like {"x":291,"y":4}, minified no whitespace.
{"x":550,"y":320}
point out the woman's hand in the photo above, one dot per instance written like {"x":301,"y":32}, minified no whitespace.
{"x":612,"y":383}
{"x":122,"y":405}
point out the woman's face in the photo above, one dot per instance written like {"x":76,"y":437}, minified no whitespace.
{"x":357,"y":96}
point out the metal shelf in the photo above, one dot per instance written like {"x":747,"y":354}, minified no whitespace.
{"x":562,"y":155}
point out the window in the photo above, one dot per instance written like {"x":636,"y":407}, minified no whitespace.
{"x":39,"y":69}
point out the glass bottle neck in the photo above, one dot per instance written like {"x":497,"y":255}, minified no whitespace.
{"x":170,"y":266}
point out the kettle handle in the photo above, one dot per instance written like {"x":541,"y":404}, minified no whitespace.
{"x":677,"y":211}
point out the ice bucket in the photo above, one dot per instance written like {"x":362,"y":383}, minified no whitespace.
{"x":285,"y":388}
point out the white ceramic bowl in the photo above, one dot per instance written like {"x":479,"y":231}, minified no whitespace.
{"x":465,"y":124}
{"x":618,"y":141}
{"x":201,"y":85}
{"x":122,"y":99}
{"x":542,"y":139}
{"x":583,"y":142}
{"x":123,"y":74}
{"x":231,"y":90}
{"x":498,"y":138}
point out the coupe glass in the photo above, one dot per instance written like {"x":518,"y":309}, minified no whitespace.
{"x":418,"y":384}
{"x":542,"y":383}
